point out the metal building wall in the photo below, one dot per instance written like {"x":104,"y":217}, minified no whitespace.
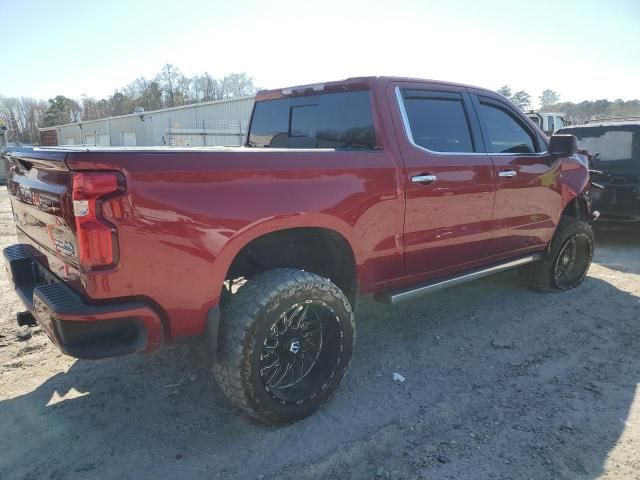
{"x":223,"y":123}
{"x":68,"y":131}
{"x":93,"y":128}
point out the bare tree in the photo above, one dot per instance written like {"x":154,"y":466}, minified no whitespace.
{"x":522,"y":100}
{"x":548,"y":98}
{"x":23,"y":116}
{"x":505,"y":91}
{"x":119,"y":104}
{"x":170,"y":80}
{"x":237,"y":85}
{"x":93,"y":109}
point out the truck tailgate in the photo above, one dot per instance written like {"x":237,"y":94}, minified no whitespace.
{"x":39,"y":187}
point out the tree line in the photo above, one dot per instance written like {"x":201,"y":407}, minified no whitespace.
{"x":169,"y":88}
{"x":576,"y":113}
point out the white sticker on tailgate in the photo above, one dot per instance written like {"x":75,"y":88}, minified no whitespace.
{"x":62,"y":240}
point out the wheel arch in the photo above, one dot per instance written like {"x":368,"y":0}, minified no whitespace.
{"x":320,"y":230}
{"x":578,"y":207}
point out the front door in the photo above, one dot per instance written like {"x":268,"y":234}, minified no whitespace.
{"x":528,"y":191}
{"x":448,"y":176}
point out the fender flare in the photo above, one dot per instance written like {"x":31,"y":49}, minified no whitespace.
{"x":262,"y":227}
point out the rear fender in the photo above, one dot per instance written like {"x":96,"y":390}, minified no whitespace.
{"x":270,"y":225}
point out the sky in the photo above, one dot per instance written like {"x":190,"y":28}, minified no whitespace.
{"x":584,"y":50}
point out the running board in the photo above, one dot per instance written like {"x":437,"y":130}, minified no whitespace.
{"x":408,"y":293}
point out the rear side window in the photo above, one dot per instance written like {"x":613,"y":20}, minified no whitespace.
{"x":505,"y":133}
{"x":438,"y":121}
{"x":552,"y":126}
{"x":331,"y":120}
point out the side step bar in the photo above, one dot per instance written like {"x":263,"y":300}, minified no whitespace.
{"x":408,"y":293}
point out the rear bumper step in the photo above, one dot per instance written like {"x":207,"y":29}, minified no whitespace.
{"x":80,"y":328}
{"x":409,"y":293}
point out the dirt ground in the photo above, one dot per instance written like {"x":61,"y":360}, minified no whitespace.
{"x":501,"y":383}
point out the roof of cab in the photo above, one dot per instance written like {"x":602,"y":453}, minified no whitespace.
{"x":353,"y":83}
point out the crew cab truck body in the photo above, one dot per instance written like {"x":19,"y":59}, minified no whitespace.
{"x":256,"y":255}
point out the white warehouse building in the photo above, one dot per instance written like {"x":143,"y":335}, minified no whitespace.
{"x":215,"y":123}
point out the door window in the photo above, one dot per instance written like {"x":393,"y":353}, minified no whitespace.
{"x":506,"y":134}
{"x":438,"y":121}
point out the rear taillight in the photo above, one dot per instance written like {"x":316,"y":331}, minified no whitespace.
{"x":96,"y":239}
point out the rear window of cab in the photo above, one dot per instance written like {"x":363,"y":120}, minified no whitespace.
{"x":331,"y":120}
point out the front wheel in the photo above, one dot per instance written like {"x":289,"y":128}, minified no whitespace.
{"x":286,"y":338}
{"x":567,"y":261}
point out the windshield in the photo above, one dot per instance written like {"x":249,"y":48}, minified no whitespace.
{"x":612,"y":143}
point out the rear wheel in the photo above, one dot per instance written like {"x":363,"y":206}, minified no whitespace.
{"x":567,"y":261}
{"x":286,"y":339}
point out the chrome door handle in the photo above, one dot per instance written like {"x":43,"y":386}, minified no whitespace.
{"x":424,"y":179}
{"x":508,"y":173}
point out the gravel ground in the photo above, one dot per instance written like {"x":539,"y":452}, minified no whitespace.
{"x":501,"y":383}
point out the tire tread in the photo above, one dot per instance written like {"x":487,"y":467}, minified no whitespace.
{"x":236,"y":341}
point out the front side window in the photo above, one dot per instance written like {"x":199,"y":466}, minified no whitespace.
{"x":505,"y":133}
{"x":438,"y":121}
{"x":332,"y":120}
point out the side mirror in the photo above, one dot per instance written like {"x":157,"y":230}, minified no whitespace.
{"x":563,"y":145}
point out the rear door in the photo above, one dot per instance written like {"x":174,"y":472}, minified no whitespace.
{"x":448,"y":177}
{"x":528,"y":197}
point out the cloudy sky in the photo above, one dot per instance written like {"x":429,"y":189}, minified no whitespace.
{"x":584,"y":49}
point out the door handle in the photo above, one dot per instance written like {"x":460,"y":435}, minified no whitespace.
{"x":507,"y":173}
{"x":424,"y":179}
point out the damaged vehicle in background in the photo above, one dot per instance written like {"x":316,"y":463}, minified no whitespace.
{"x":614,"y":150}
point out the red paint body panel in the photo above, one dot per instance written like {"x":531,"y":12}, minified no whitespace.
{"x":180,"y":230}
{"x":442,"y":234}
{"x":186,"y":214}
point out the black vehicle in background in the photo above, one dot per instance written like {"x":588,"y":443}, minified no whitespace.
{"x":614,"y":148}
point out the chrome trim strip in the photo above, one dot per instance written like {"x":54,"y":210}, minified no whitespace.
{"x":409,"y":134}
{"x":406,"y":294}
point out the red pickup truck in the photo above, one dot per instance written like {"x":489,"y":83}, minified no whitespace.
{"x":256,"y":255}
